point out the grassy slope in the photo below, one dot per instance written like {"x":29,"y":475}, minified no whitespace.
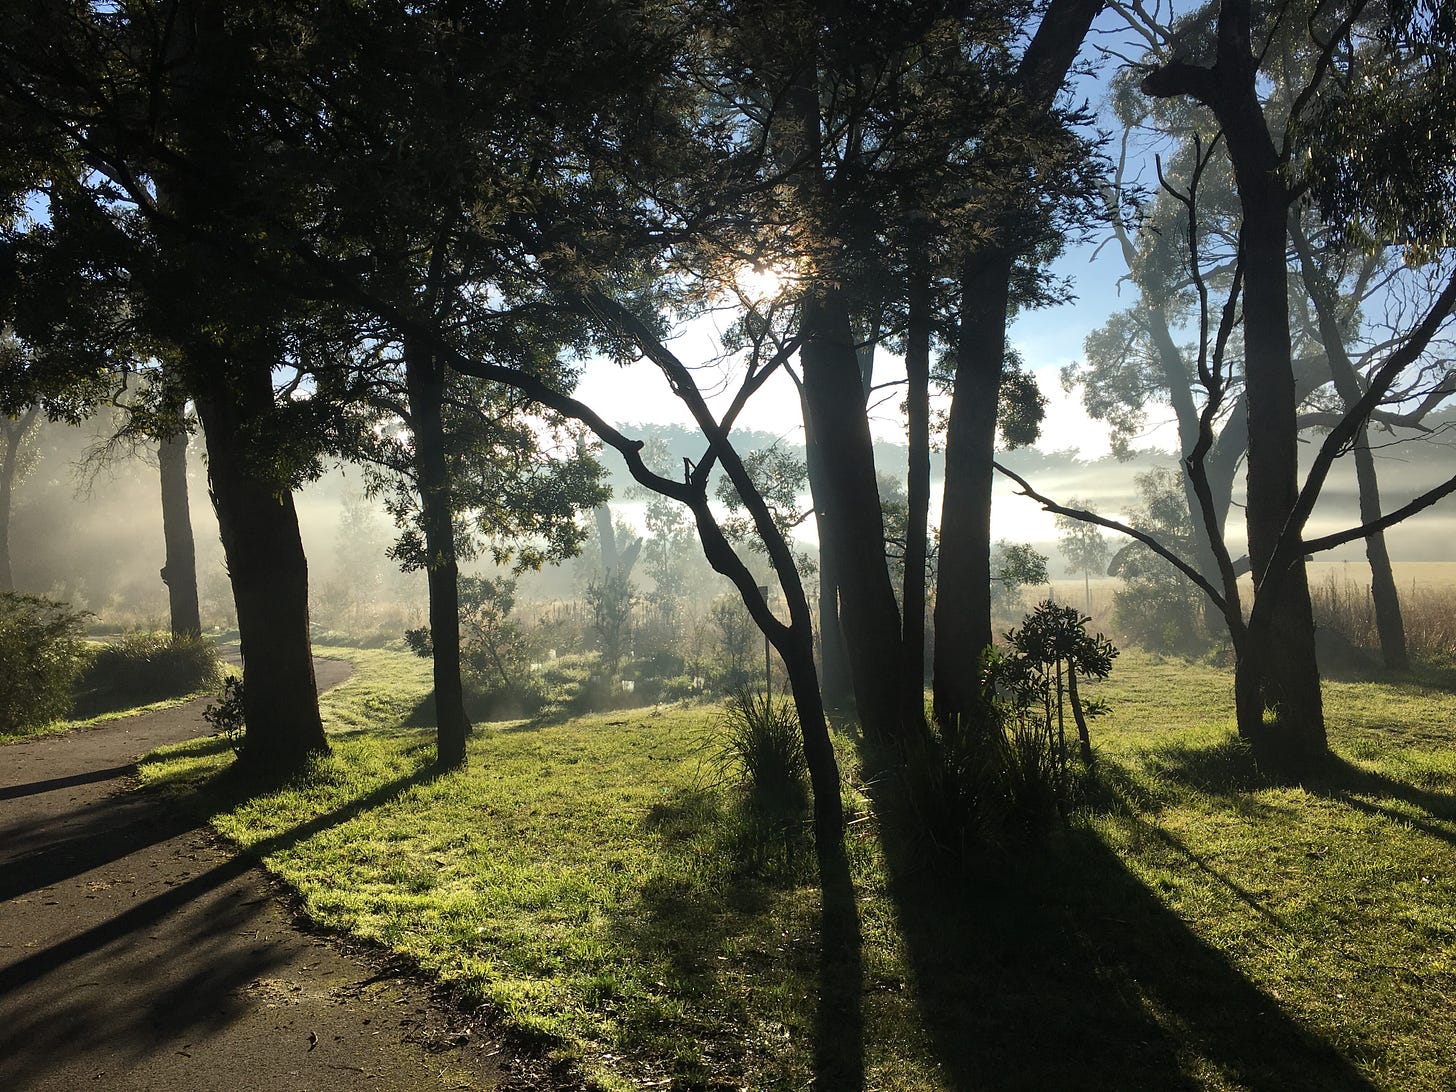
{"x":1198,"y":928}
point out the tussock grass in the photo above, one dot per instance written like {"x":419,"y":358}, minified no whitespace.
{"x":1198,"y":925}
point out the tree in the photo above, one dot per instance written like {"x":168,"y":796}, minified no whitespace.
{"x":14,"y":431}
{"x":1084,"y":548}
{"x":1157,"y":606}
{"x":1055,"y":639}
{"x":1277,"y":668}
{"x":1135,"y":358}
{"x":1014,"y":565}
{"x":180,"y":571}
{"x":1014,"y":227}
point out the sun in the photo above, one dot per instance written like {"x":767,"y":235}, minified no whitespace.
{"x":760,"y":284}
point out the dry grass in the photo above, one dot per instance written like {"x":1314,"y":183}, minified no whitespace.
{"x":1345,"y":607}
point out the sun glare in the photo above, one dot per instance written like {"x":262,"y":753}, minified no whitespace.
{"x":762,"y":284}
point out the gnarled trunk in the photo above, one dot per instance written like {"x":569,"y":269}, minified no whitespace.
{"x":266,"y":564}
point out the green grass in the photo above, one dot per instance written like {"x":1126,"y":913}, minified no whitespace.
{"x":1198,"y":926}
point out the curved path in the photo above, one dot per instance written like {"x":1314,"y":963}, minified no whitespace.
{"x":137,"y":954}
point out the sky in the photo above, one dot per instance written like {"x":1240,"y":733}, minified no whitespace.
{"x":1047,"y":339}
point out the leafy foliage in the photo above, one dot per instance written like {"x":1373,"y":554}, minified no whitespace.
{"x":762,"y":743}
{"x":1014,"y":565}
{"x":1158,"y":607}
{"x":147,"y":667}
{"x":42,"y":652}
{"x":226,"y":714}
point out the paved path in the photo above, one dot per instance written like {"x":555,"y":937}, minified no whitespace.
{"x":137,"y":954}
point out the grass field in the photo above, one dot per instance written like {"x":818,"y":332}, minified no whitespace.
{"x":1195,"y":926}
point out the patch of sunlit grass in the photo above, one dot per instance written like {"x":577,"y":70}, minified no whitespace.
{"x":1197,"y":925}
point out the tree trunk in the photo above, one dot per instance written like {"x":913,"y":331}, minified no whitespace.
{"x":1322,"y":293}
{"x":606,"y":540}
{"x":917,"y":521}
{"x":1084,"y":738}
{"x":180,"y":572}
{"x":13,"y":431}
{"x":1388,"y":620}
{"x":833,"y":658}
{"x":266,"y":564}
{"x":868,"y":612}
{"x":1277,"y":667}
{"x":795,"y":645}
{"x":425,"y":384}
{"x":963,"y":586}
{"x":1291,"y":673}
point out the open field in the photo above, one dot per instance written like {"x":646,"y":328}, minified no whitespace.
{"x":1195,"y":926}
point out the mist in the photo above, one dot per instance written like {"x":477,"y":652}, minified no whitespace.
{"x":89,"y":531}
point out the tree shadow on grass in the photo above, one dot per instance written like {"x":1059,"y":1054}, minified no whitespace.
{"x":1229,"y":769}
{"x":1054,"y":967}
{"x":163,"y":968}
{"x":723,"y":868}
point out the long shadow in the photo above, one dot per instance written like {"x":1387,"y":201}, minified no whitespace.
{"x":97,"y":834}
{"x":839,"y":1014}
{"x":1228,"y":769}
{"x":146,"y":913}
{"x":746,"y":865}
{"x":34,"y":788}
{"x":1054,"y":967}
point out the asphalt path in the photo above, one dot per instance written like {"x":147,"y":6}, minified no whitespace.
{"x":136,"y":952}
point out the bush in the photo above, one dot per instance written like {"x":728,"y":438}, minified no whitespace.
{"x":226,"y":714}
{"x":763,"y":746}
{"x":42,"y":651}
{"x":147,"y":667}
{"x":992,"y":780}
{"x":484,"y":703}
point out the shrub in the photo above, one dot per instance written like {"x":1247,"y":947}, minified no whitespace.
{"x":147,"y":667}
{"x":226,"y":714}
{"x":763,"y":746}
{"x":502,"y":701}
{"x":998,"y":777}
{"x":41,"y":654}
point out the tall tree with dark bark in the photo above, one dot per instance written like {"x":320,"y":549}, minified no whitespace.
{"x":14,"y":431}
{"x":180,"y":571}
{"x":963,"y":587}
{"x":1280,"y":671}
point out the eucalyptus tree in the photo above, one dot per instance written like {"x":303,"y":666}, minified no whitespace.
{"x":1014,"y":231}
{"x":1219,"y":64}
{"x":14,"y":432}
{"x":466,"y":469}
{"x":1139,"y":356}
{"x":895,"y":134}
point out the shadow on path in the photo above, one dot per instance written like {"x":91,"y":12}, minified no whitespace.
{"x":14,"y":792}
{"x":146,"y":913}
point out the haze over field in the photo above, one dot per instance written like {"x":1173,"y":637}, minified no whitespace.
{"x":100,"y":545}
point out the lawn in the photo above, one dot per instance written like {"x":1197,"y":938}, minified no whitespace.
{"x":593,"y":884}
